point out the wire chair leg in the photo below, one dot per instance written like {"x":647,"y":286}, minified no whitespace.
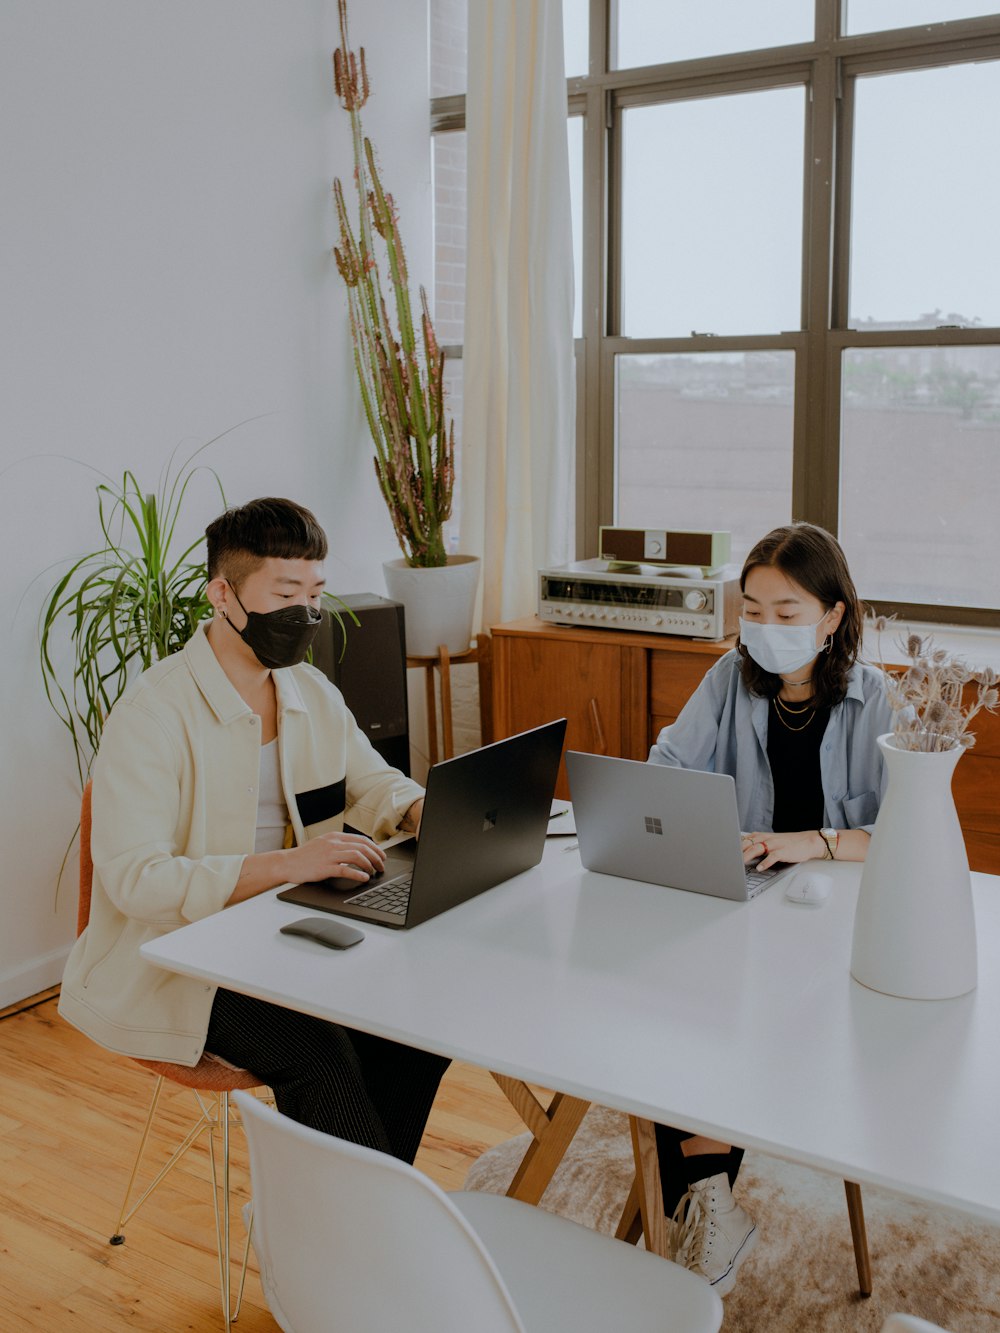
{"x":227,"y":1279}
{"x":223,"y":1216}
{"x":211,"y":1118}
{"x":118,"y":1238}
{"x":203,"y":1123}
{"x":220,"y":1246}
{"x":243,"y":1266}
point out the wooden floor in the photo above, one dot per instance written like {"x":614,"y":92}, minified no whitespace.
{"x":70,"y":1117}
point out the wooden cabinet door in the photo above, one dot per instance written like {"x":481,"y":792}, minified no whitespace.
{"x":976,"y":788}
{"x":536,"y":680}
{"x":674,"y":675}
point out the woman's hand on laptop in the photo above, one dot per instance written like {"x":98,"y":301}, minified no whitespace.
{"x":788,"y":848}
{"x":335,"y":856}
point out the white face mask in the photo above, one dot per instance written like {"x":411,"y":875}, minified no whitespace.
{"x":780,"y":649}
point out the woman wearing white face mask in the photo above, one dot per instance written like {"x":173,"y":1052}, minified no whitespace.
{"x":793,"y":717}
{"x":791,"y":713}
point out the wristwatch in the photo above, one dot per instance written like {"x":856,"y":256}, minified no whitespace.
{"x":831,"y":837}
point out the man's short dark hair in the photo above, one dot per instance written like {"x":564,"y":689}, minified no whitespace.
{"x":241,"y":539}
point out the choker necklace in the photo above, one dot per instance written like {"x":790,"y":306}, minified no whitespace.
{"x":793,"y":712}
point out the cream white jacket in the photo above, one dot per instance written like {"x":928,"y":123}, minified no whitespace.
{"x":174,"y":815}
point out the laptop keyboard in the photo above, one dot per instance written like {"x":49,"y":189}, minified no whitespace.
{"x":391,"y":895}
{"x":758,"y":880}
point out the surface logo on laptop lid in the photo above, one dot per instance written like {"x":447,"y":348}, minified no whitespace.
{"x":489,"y":820}
{"x":653,"y":825}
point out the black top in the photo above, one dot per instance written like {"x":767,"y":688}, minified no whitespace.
{"x":794,"y":759}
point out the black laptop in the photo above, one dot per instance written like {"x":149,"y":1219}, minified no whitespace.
{"x":485,"y":818}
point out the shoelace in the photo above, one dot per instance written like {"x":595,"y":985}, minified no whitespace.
{"x":691,"y":1232}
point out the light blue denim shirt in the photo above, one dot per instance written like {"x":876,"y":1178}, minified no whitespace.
{"x":723,"y":729}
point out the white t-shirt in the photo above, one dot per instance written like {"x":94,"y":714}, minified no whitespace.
{"x":272,"y":812}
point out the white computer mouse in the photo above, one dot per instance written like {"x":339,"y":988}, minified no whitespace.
{"x":809,"y":886}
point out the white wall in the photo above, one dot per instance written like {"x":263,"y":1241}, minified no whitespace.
{"x":165,"y":274}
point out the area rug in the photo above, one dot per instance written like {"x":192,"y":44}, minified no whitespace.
{"x":926,"y":1261}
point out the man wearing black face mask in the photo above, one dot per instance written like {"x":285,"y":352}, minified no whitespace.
{"x":226,"y":770}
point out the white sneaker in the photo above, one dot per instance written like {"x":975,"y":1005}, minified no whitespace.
{"x":714,"y":1235}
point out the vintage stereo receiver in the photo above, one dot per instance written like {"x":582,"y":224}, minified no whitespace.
{"x":594,"y":593}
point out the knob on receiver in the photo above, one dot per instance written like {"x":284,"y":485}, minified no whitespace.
{"x":695,"y":600}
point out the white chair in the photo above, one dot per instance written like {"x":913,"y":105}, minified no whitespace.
{"x":353,"y":1239}
{"x":909,"y":1323}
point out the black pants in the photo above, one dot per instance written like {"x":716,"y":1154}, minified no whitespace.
{"x":366,"y":1089}
{"x":678,"y":1173}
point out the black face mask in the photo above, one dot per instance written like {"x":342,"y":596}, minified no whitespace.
{"x":279,"y":638}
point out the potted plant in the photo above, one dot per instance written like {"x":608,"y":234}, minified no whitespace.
{"x":401,"y":380}
{"x":125,"y":605}
{"x":914,"y":929}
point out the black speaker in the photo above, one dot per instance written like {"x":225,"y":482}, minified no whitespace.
{"x":367,"y":663}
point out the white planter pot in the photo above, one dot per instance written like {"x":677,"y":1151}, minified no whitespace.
{"x":915,"y":928}
{"x":439,"y":604}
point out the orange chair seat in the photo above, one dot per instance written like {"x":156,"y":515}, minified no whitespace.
{"x":210,"y":1074}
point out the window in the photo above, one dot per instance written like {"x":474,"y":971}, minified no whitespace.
{"x":923,"y":209}
{"x":919,"y":474}
{"x":871,"y":15}
{"x":702,"y":432}
{"x":793,"y":306}
{"x":649,"y":32}
{"x":711,"y":214}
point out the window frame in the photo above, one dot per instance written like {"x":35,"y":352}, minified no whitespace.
{"x":828,"y":68}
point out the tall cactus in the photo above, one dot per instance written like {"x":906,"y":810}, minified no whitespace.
{"x":401,"y":382}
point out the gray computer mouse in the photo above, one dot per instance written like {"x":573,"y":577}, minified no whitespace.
{"x":332,"y":934}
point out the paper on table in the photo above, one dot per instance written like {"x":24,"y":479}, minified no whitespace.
{"x":561,"y":820}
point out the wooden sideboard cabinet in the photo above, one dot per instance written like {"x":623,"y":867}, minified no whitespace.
{"x":617,"y":690}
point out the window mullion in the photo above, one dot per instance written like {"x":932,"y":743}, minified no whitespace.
{"x":594,"y":297}
{"x":814,"y":465}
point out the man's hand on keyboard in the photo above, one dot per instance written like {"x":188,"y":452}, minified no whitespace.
{"x":335,"y":856}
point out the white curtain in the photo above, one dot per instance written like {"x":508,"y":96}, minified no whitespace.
{"x":518,"y":396}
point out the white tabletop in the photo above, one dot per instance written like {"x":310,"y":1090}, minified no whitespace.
{"x":736,"y":1020}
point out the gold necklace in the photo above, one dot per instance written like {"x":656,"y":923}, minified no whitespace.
{"x":782,"y":703}
{"x":786,"y":725}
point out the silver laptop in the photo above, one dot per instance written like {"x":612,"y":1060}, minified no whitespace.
{"x":671,"y":826}
{"x":485,"y":818}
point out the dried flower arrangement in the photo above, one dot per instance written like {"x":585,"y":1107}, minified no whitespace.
{"x":402,"y":388}
{"x":926,"y":697}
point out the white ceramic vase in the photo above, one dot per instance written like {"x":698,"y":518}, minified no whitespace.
{"x":439,"y":604}
{"x":915,"y":927}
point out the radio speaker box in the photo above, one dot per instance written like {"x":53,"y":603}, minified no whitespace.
{"x":655,"y":546}
{"x":371,"y":672}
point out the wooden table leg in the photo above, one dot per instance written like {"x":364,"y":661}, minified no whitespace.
{"x":432,"y":726}
{"x":859,"y":1234}
{"x":552,"y":1128}
{"x":630,"y":1226}
{"x":447,"y":736}
{"x":655,"y":1226}
{"x":484,"y":664}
